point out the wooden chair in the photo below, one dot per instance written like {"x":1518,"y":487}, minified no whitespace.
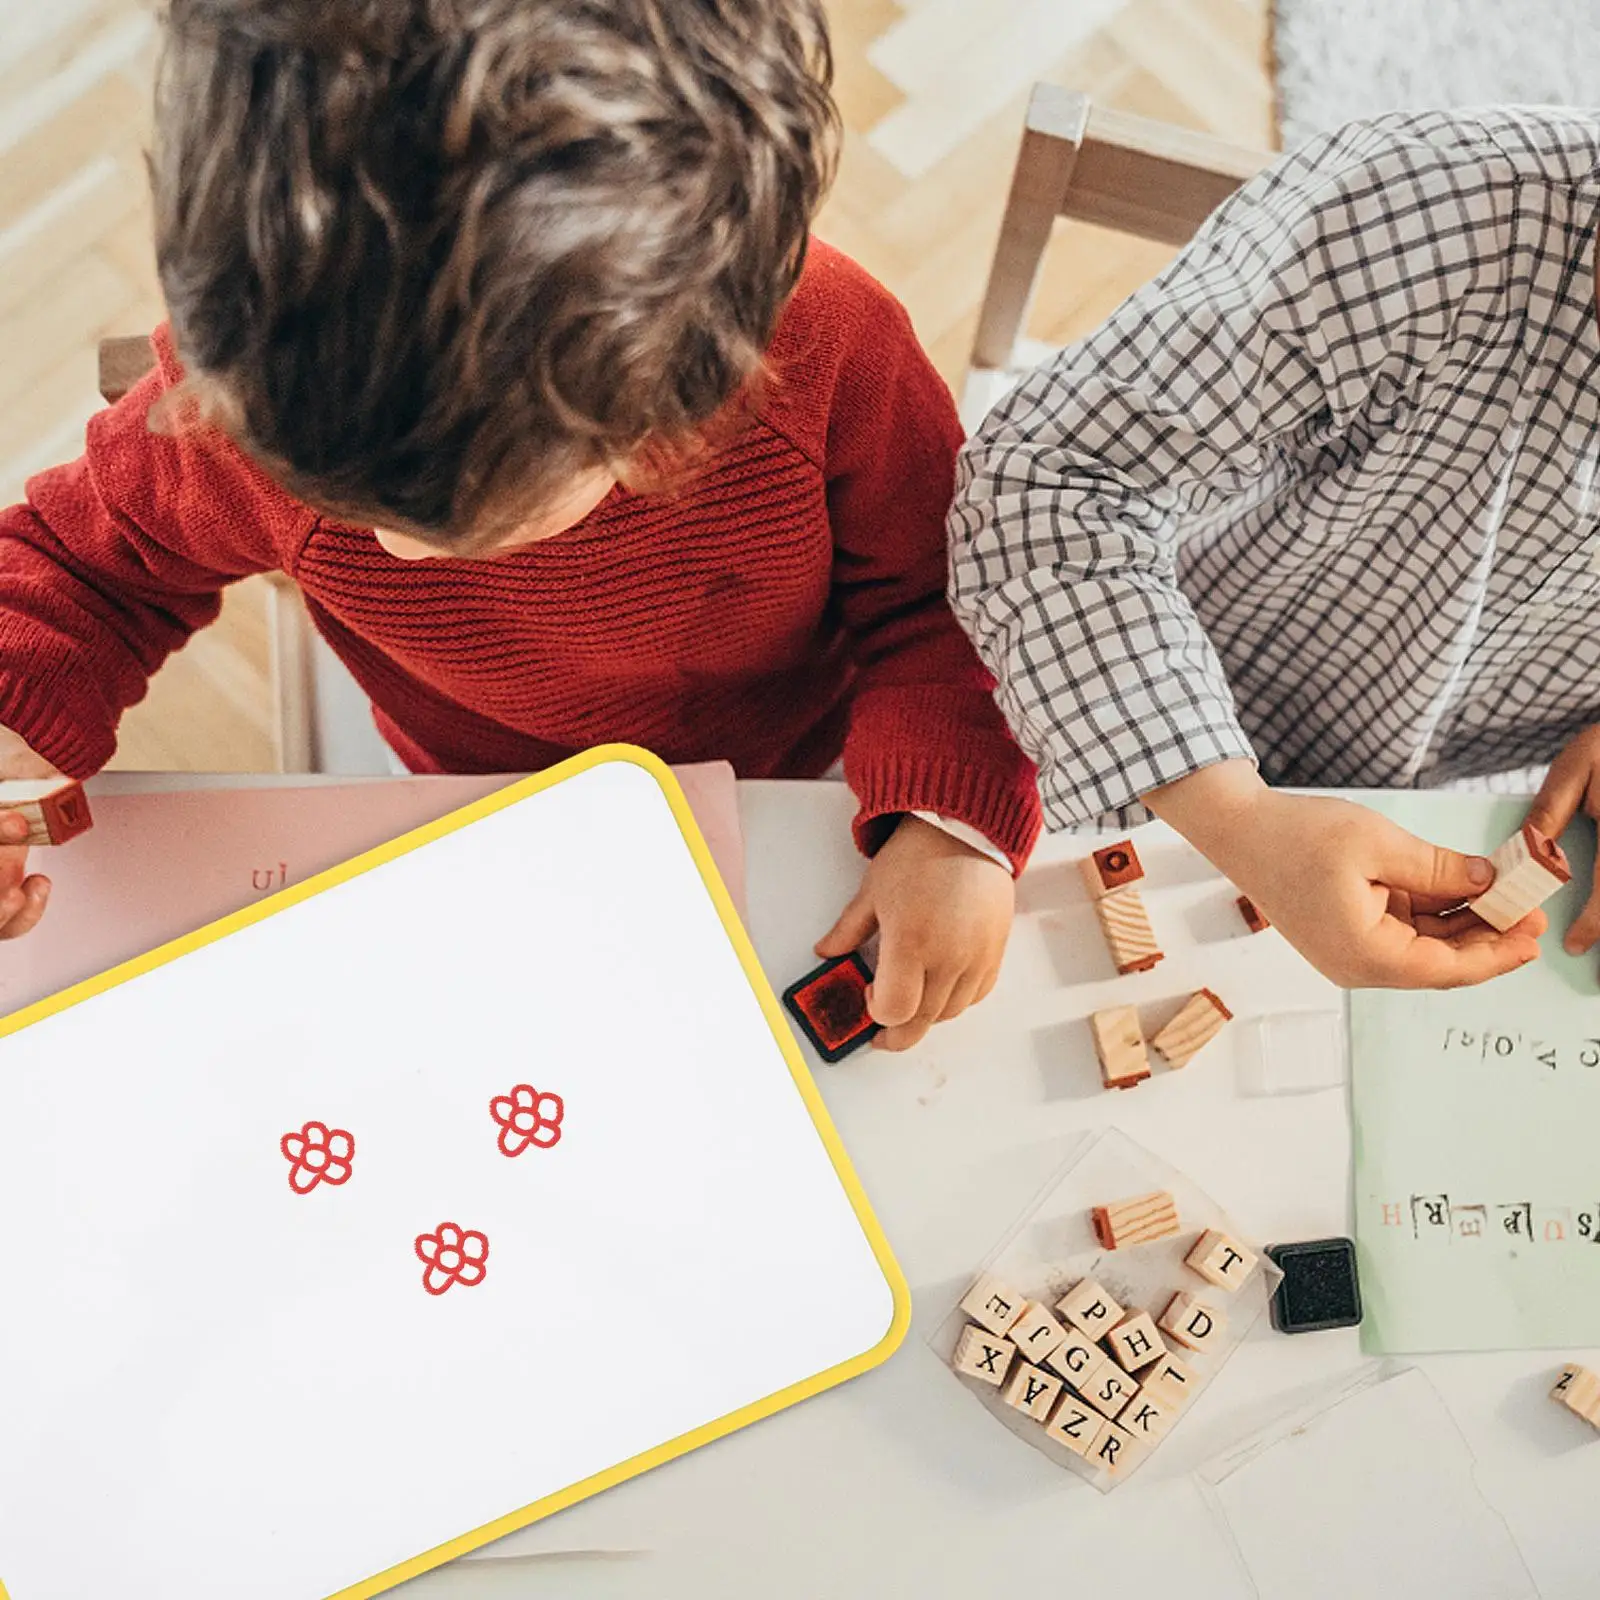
{"x":297,"y":736}
{"x":1097,"y":166}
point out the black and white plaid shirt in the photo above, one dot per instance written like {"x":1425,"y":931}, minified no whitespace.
{"x":1326,"y":492}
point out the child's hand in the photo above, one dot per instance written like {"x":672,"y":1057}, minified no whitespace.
{"x":1368,"y":904}
{"x":1573,"y":785}
{"x":942,"y":911}
{"x":22,"y":899}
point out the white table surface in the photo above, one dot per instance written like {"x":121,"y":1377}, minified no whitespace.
{"x":899,"y":1483}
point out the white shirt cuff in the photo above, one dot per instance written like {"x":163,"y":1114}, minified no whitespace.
{"x":967,"y":834}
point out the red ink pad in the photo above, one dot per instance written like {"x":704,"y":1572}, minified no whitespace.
{"x":830,"y":1004}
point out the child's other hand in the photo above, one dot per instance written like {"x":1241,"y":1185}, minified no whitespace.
{"x":1573,"y":785}
{"x":22,"y":899}
{"x":943,"y":912}
{"x":1366,"y":903}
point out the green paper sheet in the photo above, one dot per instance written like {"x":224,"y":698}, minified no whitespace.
{"x":1477,"y":1131}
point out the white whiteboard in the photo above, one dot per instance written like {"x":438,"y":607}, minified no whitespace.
{"x":210,"y":1384}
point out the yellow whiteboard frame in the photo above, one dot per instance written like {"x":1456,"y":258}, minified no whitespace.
{"x":601,"y":755}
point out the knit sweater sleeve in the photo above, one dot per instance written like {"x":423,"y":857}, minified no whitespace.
{"x":924,"y":732}
{"x":110,"y":564}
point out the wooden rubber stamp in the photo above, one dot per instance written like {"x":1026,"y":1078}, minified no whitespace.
{"x":1090,"y":1309}
{"x":1192,"y":1029}
{"x":1135,"y":1342}
{"x":992,"y":1305}
{"x":1221,"y":1260}
{"x":1170,"y":1381}
{"x":1032,"y":1392}
{"x":1578,"y":1390}
{"x":1111,"y":869}
{"x":1528,"y":869}
{"x":1036,"y":1333}
{"x":982,"y":1355}
{"x":1194,"y":1324}
{"x":1077,"y":1359}
{"x":1110,"y":1390}
{"x":55,"y":809}
{"x":1119,"y":1043}
{"x":1076,"y":1426}
{"x":1136,"y":1221}
{"x":1115,"y":1451}
{"x":1126,"y":926}
{"x":1146,"y":1418}
{"x":1255,"y":919}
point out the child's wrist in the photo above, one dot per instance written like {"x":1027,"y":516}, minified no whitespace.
{"x":1212,"y":808}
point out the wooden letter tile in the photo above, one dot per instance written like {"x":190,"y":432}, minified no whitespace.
{"x":983,"y":1355}
{"x":1036,"y":1333}
{"x":1126,"y":926}
{"x":1032,"y":1392}
{"x":1221,"y":1260}
{"x":1110,"y":1390}
{"x":992,"y":1305}
{"x":1115,"y":1451}
{"x":1147,"y":1419}
{"x":1195,"y":1325}
{"x":1170,"y":1381}
{"x":1136,"y":1221}
{"x":1528,"y":869}
{"x":1090,"y":1309}
{"x":1111,"y":869}
{"x":1076,"y":1426}
{"x":1077,"y":1359}
{"x":1135,"y":1342}
{"x":1192,"y":1029}
{"x":1119,"y":1043}
{"x":1578,"y":1390}
{"x":56,"y":809}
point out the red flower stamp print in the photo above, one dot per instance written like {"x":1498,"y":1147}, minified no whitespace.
{"x":452,"y":1255}
{"x":318,"y":1154}
{"x":527,"y":1117}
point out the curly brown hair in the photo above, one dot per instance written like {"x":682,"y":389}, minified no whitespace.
{"x":427,"y":260}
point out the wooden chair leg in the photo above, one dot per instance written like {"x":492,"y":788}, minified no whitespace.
{"x":293,"y":676}
{"x":1051,"y":140}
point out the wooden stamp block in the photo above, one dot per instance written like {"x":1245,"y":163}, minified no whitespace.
{"x":1119,"y":1043}
{"x":1194,"y":1324}
{"x":1192,"y":1029}
{"x":983,"y":1355}
{"x":992,"y":1305}
{"x":1528,"y":869}
{"x":1146,"y":1418}
{"x":56,"y":809}
{"x":1170,"y":1381}
{"x":1036,"y":1333}
{"x":1090,"y":1309}
{"x":1135,"y":1221}
{"x":1111,"y":869}
{"x":1255,"y":919}
{"x":1031,"y":1391}
{"x":1115,"y":1451}
{"x":1076,"y":1426}
{"x":1135,"y":1342}
{"x":1578,"y":1390}
{"x":1109,"y":1390}
{"x":1221,"y":1260}
{"x":1077,"y":1359}
{"x":1126,"y":926}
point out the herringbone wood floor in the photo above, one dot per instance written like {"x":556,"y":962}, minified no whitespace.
{"x":932,"y":93}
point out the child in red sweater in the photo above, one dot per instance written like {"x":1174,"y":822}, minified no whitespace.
{"x":494,"y":324}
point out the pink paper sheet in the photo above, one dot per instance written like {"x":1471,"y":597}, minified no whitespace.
{"x":156,"y":866}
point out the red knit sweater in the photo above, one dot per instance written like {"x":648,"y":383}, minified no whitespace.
{"x":789,"y":604}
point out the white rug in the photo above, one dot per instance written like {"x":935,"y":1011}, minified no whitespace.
{"x":1342,"y":59}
